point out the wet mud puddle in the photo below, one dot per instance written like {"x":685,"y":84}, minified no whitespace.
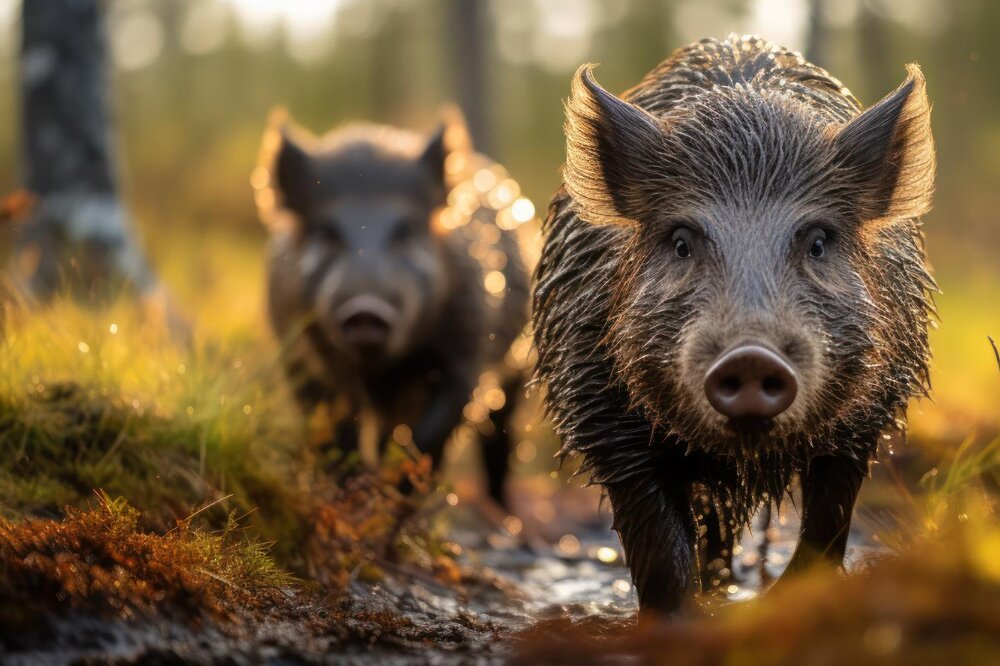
{"x":582,"y":574}
{"x":578,"y":573}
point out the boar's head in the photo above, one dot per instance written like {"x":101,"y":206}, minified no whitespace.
{"x":356,"y":211}
{"x":771,"y":283}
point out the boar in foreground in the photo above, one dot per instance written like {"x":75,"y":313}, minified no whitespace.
{"x":394,"y":283}
{"x":732,"y":292}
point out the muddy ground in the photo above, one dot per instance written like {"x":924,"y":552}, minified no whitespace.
{"x":569,"y":568}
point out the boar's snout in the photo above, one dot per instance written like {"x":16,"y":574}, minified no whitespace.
{"x":366,"y":322}
{"x":750,"y":384}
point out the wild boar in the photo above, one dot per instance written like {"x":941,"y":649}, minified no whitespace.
{"x":732,"y":293}
{"x":395,"y":283}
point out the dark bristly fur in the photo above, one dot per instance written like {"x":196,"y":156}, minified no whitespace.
{"x":748,"y":154}
{"x":356,"y":214}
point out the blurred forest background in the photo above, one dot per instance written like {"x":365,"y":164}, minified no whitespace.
{"x":195,"y":79}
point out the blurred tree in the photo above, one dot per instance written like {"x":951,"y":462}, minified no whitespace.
{"x":816,"y":38}
{"x":469,"y":50}
{"x":388,"y":74}
{"x":875,"y":52}
{"x":79,"y":233}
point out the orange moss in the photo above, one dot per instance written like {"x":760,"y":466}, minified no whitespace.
{"x":99,"y":560}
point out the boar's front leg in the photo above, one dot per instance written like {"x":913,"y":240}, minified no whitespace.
{"x":496,"y":446}
{"x":654,"y":522}
{"x":830,"y":487}
{"x":443,"y":413}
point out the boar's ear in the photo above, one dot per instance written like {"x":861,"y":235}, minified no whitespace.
{"x":612,"y":152}
{"x":288,"y":164}
{"x":888,"y":152}
{"x":435,"y":152}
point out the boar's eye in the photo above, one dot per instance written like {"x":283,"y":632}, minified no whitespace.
{"x":329,"y":234}
{"x":681,"y":241}
{"x":402,"y":234}
{"x":817,"y":244}
{"x":681,"y":248}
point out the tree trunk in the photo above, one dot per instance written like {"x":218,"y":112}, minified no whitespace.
{"x":876,"y":52}
{"x":467,"y":36}
{"x":816,"y":39}
{"x":79,"y":234}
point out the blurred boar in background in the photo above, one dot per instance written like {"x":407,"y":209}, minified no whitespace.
{"x":398,"y":287}
{"x":732,"y":292}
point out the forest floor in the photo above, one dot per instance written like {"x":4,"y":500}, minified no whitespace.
{"x":218,"y":537}
{"x":564,"y":599}
{"x":506,"y":587}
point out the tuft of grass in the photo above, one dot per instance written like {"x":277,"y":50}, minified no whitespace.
{"x":106,"y":399}
{"x":101,"y":561}
{"x":180,"y":587}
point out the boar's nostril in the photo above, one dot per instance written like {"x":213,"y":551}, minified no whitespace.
{"x":730,"y":385}
{"x":750,"y":383}
{"x":773,"y":385}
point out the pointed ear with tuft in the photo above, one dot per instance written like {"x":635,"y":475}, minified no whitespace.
{"x":614,"y":153}
{"x":888,"y":153}
{"x":285,"y":155}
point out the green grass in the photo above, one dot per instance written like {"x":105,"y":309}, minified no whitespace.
{"x":106,"y":399}
{"x":965,"y":397}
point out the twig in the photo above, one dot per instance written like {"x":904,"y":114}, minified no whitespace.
{"x":204,"y":508}
{"x":222,"y":580}
{"x":996,"y":352}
